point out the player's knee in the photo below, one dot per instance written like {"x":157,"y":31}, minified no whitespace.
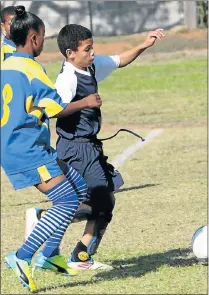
{"x":101,"y":200}
{"x":68,"y":201}
{"x":105,"y":216}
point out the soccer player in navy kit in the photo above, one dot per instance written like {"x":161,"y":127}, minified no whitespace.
{"x":7,"y":46}
{"x":78,"y":145}
{"x":28,"y":100}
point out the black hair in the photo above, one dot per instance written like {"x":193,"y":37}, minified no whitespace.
{"x":70,"y":36}
{"x":9,"y":10}
{"x":22,"y":23}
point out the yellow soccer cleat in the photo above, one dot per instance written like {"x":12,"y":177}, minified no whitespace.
{"x":55,"y":263}
{"x":22,"y":269}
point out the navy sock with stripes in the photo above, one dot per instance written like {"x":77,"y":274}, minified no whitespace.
{"x":65,"y":203}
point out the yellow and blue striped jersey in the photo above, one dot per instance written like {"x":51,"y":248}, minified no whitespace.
{"x":7,"y":48}
{"x":28,"y":100}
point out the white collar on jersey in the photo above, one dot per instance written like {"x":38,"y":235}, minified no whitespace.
{"x":70,"y":66}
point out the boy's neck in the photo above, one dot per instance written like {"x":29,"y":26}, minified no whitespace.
{"x":25,"y":49}
{"x":79,"y":67}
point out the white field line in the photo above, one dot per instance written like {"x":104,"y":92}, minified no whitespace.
{"x":119,"y":160}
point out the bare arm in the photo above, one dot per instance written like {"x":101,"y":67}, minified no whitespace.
{"x":129,"y":56}
{"x":91,"y":101}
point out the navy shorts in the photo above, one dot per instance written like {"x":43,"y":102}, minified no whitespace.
{"x":88,"y":159}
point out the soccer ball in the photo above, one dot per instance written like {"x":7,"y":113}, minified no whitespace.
{"x":199,"y":242}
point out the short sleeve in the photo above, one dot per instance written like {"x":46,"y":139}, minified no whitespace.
{"x":6,"y":51}
{"x":105,"y":65}
{"x":66,"y":83}
{"x":2,"y":53}
{"x":46,"y":96}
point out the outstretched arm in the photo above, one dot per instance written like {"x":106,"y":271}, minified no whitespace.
{"x":129,"y":56}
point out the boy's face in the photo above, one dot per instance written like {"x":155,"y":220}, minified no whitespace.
{"x":5,"y":27}
{"x":83,"y":57}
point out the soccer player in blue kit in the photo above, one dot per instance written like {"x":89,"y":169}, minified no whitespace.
{"x":28,"y":100}
{"x":7,"y":46}
{"x":78,"y":145}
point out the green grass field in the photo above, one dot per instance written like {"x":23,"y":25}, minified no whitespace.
{"x":164,"y":199}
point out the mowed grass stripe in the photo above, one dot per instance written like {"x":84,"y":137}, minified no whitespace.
{"x":127,"y":153}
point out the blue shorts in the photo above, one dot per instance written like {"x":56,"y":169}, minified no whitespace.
{"x":35,"y":176}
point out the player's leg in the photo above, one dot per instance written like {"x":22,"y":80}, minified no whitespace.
{"x":101,"y":185}
{"x":65,"y":203}
{"x":99,"y":226}
{"x":82,"y":256}
{"x":50,"y":254}
{"x":33,"y":215}
{"x":20,"y":261}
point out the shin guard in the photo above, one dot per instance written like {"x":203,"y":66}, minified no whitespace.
{"x":99,"y":230}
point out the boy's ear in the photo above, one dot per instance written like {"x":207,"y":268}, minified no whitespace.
{"x":70,"y":53}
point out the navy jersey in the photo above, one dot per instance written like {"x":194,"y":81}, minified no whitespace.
{"x":7,"y":48}
{"x":28,"y":99}
{"x":74,"y":84}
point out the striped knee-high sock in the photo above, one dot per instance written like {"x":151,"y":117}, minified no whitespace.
{"x":78,"y":184}
{"x":52,"y":244}
{"x":65,"y":203}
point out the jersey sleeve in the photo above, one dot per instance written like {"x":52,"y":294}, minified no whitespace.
{"x":2,"y":53}
{"x":105,"y":65}
{"x":66,"y":84}
{"x":6,"y":51}
{"x":45,"y":95}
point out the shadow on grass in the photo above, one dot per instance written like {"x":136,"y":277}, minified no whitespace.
{"x":135,"y":187}
{"x":137,"y":267}
{"x":119,"y":191}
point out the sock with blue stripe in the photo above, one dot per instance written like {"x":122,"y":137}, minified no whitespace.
{"x":65,"y":203}
{"x":78,"y":184}
{"x":52,"y":244}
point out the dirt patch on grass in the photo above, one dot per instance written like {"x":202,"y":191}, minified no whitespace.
{"x":198,"y":33}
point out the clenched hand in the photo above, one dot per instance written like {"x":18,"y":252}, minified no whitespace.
{"x":93,"y":100}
